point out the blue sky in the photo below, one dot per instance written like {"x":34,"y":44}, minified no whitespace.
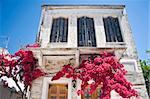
{"x":19,"y":20}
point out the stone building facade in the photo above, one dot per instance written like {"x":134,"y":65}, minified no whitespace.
{"x":68,"y":33}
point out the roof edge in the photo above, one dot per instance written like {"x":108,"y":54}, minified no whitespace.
{"x":82,"y":6}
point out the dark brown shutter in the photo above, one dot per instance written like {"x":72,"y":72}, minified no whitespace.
{"x":80,"y":31}
{"x":59,"y":31}
{"x":112,"y":29}
{"x":92,"y":32}
{"x":65,"y":30}
{"x":83,"y":31}
{"x":112,"y":34}
{"x":86,"y":35}
{"x":86,"y":32}
{"x":53,"y":31}
{"x":61,"y":27}
{"x":112,"y":21}
{"x":118,"y":31}
{"x":106,"y":26}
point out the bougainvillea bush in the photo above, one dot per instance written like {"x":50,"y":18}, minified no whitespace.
{"x":103,"y":70}
{"x":21,"y":67}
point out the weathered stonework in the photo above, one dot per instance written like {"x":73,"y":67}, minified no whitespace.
{"x":52,"y":56}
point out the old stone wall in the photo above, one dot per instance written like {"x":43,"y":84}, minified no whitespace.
{"x":52,"y":56}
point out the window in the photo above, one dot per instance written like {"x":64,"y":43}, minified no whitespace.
{"x":130,"y":65}
{"x":59,"y":31}
{"x":86,"y":32}
{"x":112,"y":30}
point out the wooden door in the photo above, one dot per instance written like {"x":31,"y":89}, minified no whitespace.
{"x":94,"y":95}
{"x":58,"y":91}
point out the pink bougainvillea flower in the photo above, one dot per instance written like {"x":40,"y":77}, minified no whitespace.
{"x":36,"y":45}
{"x":20,"y":67}
{"x":104,"y":70}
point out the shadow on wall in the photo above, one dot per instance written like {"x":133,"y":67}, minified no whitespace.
{"x":9,"y":93}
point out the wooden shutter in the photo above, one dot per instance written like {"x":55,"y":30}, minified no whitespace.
{"x":92,"y":37}
{"x":53,"y":31}
{"x":58,"y":91}
{"x":108,"y":39}
{"x":86,"y":32}
{"x":80,"y":32}
{"x":112,"y":29}
{"x":83,"y":22}
{"x":65,"y":30}
{"x":118,"y":31}
{"x":59,"y":31}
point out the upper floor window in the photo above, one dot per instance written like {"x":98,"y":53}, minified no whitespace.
{"x":86,"y":32}
{"x":112,"y":30}
{"x":59,"y":31}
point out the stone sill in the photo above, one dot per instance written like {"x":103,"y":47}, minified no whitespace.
{"x":57,"y":44}
{"x":81,"y":50}
{"x":115,"y":43}
{"x":107,"y":48}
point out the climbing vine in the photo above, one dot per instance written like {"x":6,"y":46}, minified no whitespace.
{"x":103,"y":70}
{"x":22,"y":67}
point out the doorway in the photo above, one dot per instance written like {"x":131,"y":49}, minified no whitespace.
{"x":58,"y":91}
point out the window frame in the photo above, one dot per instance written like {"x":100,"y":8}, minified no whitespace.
{"x":122,"y":61}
